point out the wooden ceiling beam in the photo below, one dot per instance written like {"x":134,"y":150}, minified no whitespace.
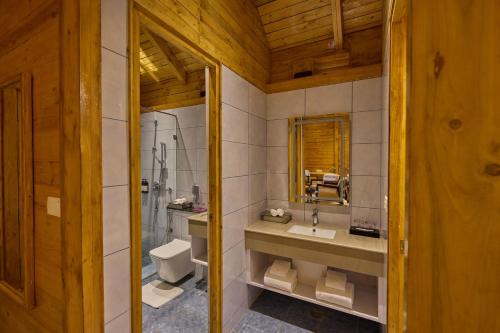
{"x":337,"y":24}
{"x":174,"y":63}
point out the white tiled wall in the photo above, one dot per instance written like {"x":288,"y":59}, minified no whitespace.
{"x":363,"y":99}
{"x":116,"y":219}
{"x":244,"y":157}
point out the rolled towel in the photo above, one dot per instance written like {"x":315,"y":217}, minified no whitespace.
{"x":335,"y":296}
{"x":287,"y":283}
{"x":335,"y":279}
{"x":280,"y":268}
{"x":280,"y":211}
{"x":274,"y":212}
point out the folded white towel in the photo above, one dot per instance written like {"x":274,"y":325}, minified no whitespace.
{"x":335,"y":279}
{"x":280,"y":268}
{"x":343,"y":298}
{"x":287,"y":283}
{"x":280,"y":212}
{"x":180,"y":201}
{"x":274,"y":212}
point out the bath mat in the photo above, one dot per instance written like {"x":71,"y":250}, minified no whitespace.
{"x":158,"y":293}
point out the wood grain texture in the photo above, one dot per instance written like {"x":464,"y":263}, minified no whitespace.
{"x":398,"y":164}
{"x":228,"y":30}
{"x":454,"y":210}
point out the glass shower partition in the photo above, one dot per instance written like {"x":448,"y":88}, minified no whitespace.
{"x":158,"y":178}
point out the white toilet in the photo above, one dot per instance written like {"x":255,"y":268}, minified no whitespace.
{"x":173,"y":260}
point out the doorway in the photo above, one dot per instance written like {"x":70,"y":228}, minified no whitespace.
{"x":175,"y":180}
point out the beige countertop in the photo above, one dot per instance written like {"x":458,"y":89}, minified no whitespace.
{"x":202,"y":217}
{"x":342,"y":236}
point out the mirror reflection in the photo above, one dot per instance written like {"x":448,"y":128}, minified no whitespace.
{"x":319,"y":159}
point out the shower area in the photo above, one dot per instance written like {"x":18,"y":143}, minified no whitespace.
{"x":158,"y":181}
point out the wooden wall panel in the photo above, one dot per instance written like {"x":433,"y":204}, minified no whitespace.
{"x":228,"y":30}
{"x":454,"y":142}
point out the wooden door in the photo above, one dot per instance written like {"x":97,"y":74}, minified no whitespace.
{"x":454,"y":167}
{"x":50,"y":239}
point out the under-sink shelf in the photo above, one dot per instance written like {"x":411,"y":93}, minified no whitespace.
{"x":365,"y":303}
{"x":201,"y":259}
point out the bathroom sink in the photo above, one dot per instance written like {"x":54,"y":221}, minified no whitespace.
{"x":312,"y":231}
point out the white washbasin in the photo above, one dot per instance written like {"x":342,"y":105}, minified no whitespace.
{"x":312,"y":231}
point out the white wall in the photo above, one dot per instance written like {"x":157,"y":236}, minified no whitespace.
{"x":363,"y":99}
{"x":116,"y":218}
{"x":243,"y":185}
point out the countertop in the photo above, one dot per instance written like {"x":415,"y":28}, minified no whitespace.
{"x":342,"y":236}
{"x":202,"y":217}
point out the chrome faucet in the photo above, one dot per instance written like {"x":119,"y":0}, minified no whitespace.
{"x":315,"y":217}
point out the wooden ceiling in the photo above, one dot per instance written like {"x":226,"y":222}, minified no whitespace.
{"x":315,"y":38}
{"x":170,"y":77}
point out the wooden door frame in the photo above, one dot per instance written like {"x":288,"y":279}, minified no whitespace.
{"x":141,"y":15}
{"x":398,"y":165}
{"x":81,"y":165}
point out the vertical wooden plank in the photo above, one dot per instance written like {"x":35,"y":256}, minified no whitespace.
{"x":454,"y":188}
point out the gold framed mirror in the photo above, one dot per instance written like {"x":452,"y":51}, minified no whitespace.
{"x":318,"y":159}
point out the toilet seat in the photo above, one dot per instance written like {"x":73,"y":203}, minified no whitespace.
{"x":170,"y":250}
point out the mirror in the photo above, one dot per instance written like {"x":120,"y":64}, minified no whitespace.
{"x":319,"y":159}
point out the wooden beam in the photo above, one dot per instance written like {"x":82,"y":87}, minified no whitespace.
{"x":174,"y":63}
{"x":337,"y":24}
{"x":332,"y":77}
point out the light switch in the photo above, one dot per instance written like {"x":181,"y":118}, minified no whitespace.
{"x":54,"y":206}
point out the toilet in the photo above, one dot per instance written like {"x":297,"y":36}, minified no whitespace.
{"x":173,"y":260}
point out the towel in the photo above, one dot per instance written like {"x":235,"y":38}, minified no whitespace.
{"x":287,"y":283}
{"x":335,"y":279}
{"x":335,"y":296}
{"x":330,"y":178}
{"x":280,"y":268}
{"x":180,"y":201}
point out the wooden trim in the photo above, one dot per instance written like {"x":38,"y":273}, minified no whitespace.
{"x":398,"y":165}
{"x":135,"y":168}
{"x":25,"y":155}
{"x":146,"y":17}
{"x":81,"y":192}
{"x":175,"y":65}
{"x":338,"y":36}
{"x":332,"y":77}
{"x":179,"y":104}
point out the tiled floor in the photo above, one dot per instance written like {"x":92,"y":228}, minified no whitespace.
{"x":188,"y":313}
{"x":275,"y":313}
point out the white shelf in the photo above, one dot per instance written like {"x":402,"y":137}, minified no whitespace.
{"x":201,"y":259}
{"x":365,"y":303}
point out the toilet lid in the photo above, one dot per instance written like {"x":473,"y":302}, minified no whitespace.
{"x":171,"y":249}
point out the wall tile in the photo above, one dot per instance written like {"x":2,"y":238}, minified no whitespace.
{"x":114,"y":32}
{"x":201,"y":179}
{"x":329,"y":99}
{"x":201,"y":137}
{"x":365,"y":191}
{"x":366,"y":127}
{"x":114,"y":86}
{"x":233,"y":226}
{"x":186,"y":138}
{"x":367,"y":95}
{"x":277,"y":159}
{"x":234,"y":159}
{"x":365,"y":217}
{"x":234,"y":194}
{"x":277,"y":132}
{"x":185,"y":180}
{"x":255,"y":210}
{"x":234,"y":300}
{"x":234,"y":89}
{"x":188,"y":116}
{"x":116,"y":284}
{"x":234,"y":264}
{"x":257,"y":157}
{"x":114,"y":152}
{"x":258,"y":188}
{"x":286,"y":104}
{"x":234,"y":124}
{"x":202,"y":159}
{"x":186,"y":159}
{"x":116,"y":219}
{"x":257,"y":102}
{"x":277,"y":186}
{"x":257,"y":131}
{"x":120,"y":324}
{"x":366,"y":159}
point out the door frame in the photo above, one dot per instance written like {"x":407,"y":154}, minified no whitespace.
{"x":141,"y":15}
{"x":398,"y":165}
